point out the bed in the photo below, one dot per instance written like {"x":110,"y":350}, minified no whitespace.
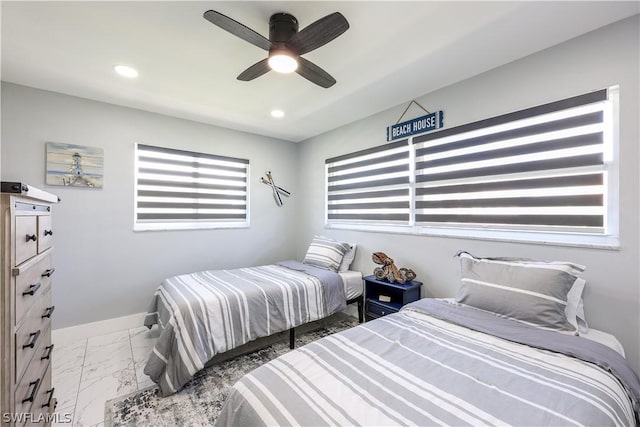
{"x":444,"y":362}
{"x":204,"y":314}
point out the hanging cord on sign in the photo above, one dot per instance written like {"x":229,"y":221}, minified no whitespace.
{"x":407,"y":109}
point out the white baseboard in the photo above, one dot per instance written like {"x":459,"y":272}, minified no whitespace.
{"x":71,"y":334}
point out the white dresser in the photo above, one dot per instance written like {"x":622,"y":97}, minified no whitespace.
{"x":26,"y":393}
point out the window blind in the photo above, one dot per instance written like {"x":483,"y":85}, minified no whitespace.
{"x":539,"y":168}
{"x":178,"y":186}
{"x":370,"y":186}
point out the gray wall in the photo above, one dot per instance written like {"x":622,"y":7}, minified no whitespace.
{"x":594,"y":61}
{"x":103,"y":268}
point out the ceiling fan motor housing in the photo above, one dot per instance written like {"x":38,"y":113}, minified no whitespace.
{"x":282,"y":27}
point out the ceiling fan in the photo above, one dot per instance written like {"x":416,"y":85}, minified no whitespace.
{"x":285,"y":44}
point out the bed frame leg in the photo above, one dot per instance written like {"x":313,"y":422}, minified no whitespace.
{"x":360,"y":301}
{"x":292,"y":338}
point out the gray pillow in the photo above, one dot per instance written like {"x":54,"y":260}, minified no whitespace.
{"x":530,"y":291}
{"x":326,"y":253}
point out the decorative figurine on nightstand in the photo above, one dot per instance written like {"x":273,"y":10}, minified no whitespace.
{"x":389,"y":271}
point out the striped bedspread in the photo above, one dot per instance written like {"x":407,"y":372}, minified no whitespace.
{"x":210,"y":312}
{"x":411,"y":368}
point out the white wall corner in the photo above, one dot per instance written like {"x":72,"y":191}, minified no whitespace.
{"x":63,"y":336}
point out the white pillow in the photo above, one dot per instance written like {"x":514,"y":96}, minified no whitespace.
{"x":575,"y":307}
{"x":348,"y":258}
{"x":325,"y":253}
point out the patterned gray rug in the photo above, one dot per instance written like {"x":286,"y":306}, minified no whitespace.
{"x":200,"y":401}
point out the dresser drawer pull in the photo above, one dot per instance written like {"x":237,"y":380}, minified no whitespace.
{"x":34,"y":338}
{"x":32,"y":289}
{"x":49,"y":350}
{"x":31,"y":237}
{"x":48,"y":232}
{"x":50,"y":393}
{"x":48,"y":312}
{"x":32,"y":395}
{"x":48,"y":272}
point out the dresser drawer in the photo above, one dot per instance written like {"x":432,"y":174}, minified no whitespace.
{"x":29,"y":387}
{"x":44,"y":403}
{"x":26,"y":237}
{"x":30,"y":285}
{"x":45,"y":233}
{"x":34,"y":334}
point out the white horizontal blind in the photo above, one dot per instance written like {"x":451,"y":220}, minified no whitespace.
{"x":177,"y":186}
{"x":370,"y":186}
{"x":541,"y":169}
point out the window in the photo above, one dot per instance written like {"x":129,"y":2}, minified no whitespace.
{"x":177,"y":189}
{"x":541,"y":168}
{"x":547,"y":172}
{"x":370,"y":186}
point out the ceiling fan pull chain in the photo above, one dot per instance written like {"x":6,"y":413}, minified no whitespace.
{"x":413,"y":101}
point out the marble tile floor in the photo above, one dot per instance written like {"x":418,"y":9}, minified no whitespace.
{"x":91,"y":371}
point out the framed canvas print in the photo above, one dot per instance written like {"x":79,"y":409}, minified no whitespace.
{"x":74,"y":165}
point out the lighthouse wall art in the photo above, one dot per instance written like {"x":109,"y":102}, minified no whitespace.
{"x":74,"y":165}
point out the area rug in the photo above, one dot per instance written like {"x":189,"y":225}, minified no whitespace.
{"x":200,"y":401}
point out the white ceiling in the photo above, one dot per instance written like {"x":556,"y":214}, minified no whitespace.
{"x":392,"y":53}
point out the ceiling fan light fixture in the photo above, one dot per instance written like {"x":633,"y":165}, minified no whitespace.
{"x":282,"y":61}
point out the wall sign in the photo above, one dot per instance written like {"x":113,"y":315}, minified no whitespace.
{"x":431,"y":121}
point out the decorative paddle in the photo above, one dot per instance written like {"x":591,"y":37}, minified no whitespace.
{"x":275,"y":190}
{"x":280,"y":189}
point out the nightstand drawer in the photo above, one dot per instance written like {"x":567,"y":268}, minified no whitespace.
{"x":377,"y":308}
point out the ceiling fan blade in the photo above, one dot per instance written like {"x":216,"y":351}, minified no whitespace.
{"x":237,"y":29}
{"x":256,"y":70}
{"x":314,"y":74}
{"x":319,"y":33}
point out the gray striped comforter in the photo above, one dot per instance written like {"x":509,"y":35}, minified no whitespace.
{"x":421,"y":367}
{"x":206,"y":313}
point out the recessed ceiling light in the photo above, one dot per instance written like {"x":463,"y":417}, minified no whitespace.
{"x":125,"y":71}
{"x":277,"y":114}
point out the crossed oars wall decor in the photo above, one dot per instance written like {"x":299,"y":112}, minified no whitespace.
{"x":277,"y":191}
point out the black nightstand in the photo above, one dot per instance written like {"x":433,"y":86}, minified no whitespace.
{"x":397,"y":294}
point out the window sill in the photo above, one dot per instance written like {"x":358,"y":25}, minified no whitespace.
{"x":540,"y":238}
{"x":186,"y":226}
